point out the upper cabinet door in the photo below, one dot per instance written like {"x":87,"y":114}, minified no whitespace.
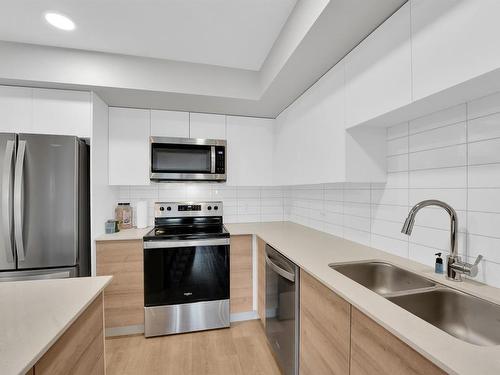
{"x":128,"y":146}
{"x":378,"y":70}
{"x":309,"y":137}
{"x":453,"y":41}
{"x":250,"y":151}
{"x":169,"y":124}
{"x":207,"y":126}
{"x":15,"y":109}
{"x":62,"y":112}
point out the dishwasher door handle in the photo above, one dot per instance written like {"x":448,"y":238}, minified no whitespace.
{"x":280,"y":271}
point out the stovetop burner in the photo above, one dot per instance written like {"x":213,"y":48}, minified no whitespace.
{"x":186,"y":221}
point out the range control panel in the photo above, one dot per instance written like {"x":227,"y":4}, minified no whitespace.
{"x":183,"y":209}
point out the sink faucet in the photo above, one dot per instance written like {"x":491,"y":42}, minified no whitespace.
{"x":455,"y":267}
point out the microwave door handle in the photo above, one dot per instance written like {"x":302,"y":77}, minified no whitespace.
{"x":212,"y":159}
{"x":280,"y":271}
{"x":18,"y":201}
{"x":6,"y":199}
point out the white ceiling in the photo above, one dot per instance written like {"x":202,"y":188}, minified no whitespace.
{"x":231,"y":33}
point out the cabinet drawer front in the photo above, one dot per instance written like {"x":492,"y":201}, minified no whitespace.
{"x":374,"y":350}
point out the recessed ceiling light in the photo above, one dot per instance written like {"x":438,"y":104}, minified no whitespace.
{"x":59,"y":21}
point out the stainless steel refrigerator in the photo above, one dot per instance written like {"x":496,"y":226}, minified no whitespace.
{"x":44,"y":207}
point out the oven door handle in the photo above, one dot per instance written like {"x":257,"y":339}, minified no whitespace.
{"x":185,"y":243}
{"x":280,"y":271}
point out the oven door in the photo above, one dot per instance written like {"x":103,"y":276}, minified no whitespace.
{"x":185,"y":271}
{"x":180,"y":159}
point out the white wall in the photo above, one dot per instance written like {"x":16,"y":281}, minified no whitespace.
{"x":103,"y":197}
{"x":452,"y":155}
{"x":241,"y":204}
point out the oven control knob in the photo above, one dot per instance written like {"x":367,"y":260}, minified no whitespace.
{"x":162,"y":208}
{"x":209,"y":208}
{"x":216,"y":207}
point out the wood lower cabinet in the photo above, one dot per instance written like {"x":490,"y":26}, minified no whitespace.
{"x":241,"y":279}
{"x":261,"y":282}
{"x":374,"y":350}
{"x":324,"y":329}
{"x":80,"y":350}
{"x":124,"y":297}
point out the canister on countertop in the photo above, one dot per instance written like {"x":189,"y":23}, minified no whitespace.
{"x":111,"y":226}
{"x":123,"y":213}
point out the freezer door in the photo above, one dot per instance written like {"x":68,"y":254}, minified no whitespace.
{"x":7,"y":157}
{"x":57,"y":273}
{"x":46,"y":201}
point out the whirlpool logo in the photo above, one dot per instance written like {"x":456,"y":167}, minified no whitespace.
{"x":187,"y":294}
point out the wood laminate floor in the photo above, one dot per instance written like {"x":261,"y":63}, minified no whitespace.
{"x":241,"y":349}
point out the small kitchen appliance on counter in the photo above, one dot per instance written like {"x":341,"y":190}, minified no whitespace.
{"x":186,"y":269}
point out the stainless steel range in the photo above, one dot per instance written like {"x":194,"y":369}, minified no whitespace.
{"x":186,"y":269}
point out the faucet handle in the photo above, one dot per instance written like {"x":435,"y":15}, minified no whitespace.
{"x":474,"y":269}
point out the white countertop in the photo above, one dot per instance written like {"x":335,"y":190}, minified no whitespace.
{"x":125,"y":234}
{"x":34,"y":314}
{"x":313,"y":250}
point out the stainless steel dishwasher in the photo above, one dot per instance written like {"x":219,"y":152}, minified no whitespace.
{"x":282,"y":310}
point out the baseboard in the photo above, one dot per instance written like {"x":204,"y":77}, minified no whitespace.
{"x":139,"y":329}
{"x":242,"y":316}
{"x":124,"y":331}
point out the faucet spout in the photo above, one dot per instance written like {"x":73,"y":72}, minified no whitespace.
{"x":410,"y":221}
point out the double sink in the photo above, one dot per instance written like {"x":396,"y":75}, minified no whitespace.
{"x":461,"y":315}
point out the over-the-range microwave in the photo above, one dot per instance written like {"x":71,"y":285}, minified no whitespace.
{"x":187,"y":159}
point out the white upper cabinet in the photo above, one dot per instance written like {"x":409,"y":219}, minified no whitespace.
{"x":309,"y":138}
{"x":378,"y":70}
{"x":16,"y":109}
{"x":129,"y":146}
{"x":208,"y":126}
{"x":62,"y":112}
{"x":453,"y":41}
{"x":45,"y":111}
{"x":169,"y":124}
{"x":249,"y":151}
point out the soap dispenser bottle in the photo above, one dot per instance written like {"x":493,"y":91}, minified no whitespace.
{"x":438,"y":268}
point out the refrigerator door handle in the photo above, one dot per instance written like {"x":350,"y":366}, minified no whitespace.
{"x":6,"y":199}
{"x":18,"y":201}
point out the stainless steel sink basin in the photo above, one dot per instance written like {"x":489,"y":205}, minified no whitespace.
{"x":461,"y":315}
{"x":382,"y":278}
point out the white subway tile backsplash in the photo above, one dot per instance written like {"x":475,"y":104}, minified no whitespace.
{"x":397,"y":146}
{"x":438,"y":119}
{"x":395,"y":180}
{"x":390,"y":245}
{"x":398,"y":163}
{"x":397,"y":131}
{"x":484,"y":152}
{"x":487,"y":200}
{"x":394,"y":197}
{"x":452,"y":156}
{"x":357,"y":209}
{"x":389,"y":229}
{"x":484,"y":223}
{"x":457,"y":198}
{"x":484,"y":127}
{"x":389,"y":213}
{"x":439,"y":178}
{"x":424,"y":254}
{"x":484,"y":176}
{"x":484,"y":106}
{"x":437,"y":138}
{"x":489,"y":247}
